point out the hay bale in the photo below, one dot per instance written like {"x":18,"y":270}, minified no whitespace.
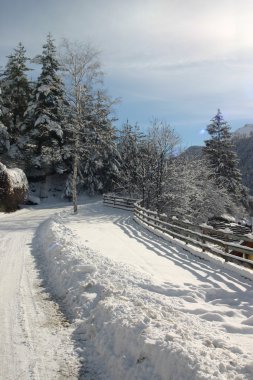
{"x":13,"y":188}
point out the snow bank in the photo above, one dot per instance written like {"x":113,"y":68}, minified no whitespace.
{"x":125,"y":327}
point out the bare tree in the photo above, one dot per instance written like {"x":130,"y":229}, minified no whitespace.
{"x":82,"y":70}
{"x":162,"y":141}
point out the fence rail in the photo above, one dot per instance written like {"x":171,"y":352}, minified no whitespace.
{"x":119,"y":202}
{"x":218,"y":242}
{"x":199,"y":236}
{"x":227,"y":236}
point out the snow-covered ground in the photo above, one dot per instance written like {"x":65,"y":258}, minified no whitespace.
{"x":139,"y":307}
{"x":143,"y":308}
{"x":35,"y":338}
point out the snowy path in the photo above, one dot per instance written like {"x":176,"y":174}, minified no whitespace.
{"x":34,"y":337}
{"x":197,"y":287}
{"x":140,"y":308}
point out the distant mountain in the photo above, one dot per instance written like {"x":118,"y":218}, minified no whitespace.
{"x":193,"y":152}
{"x":245,"y":131}
{"x":244,"y":147}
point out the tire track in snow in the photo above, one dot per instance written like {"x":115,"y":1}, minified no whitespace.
{"x":35,"y":341}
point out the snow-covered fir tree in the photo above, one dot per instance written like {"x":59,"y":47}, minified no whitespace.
{"x":129,"y":149}
{"x":15,"y":93}
{"x":105,"y":163}
{"x":4,"y":139}
{"x":221,"y":156}
{"x":4,"y":134}
{"x":98,"y":158}
{"x":146,"y":172}
{"x":45,"y":116}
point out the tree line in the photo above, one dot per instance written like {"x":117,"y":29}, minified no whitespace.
{"x":171,"y":182}
{"x":62,"y":122}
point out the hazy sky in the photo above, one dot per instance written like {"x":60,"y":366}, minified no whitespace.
{"x":177,"y":60}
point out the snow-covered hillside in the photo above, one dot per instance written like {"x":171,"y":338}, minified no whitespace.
{"x":143,"y":308}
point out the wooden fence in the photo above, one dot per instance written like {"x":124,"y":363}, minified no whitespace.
{"x":220,"y":243}
{"x":227,"y":245}
{"x":119,"y":202}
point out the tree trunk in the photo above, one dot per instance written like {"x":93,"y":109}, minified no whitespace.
{"x":74,"y":182}
{"x":75,"y":163}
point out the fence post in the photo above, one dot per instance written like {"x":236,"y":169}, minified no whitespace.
{"x":203,"y":242}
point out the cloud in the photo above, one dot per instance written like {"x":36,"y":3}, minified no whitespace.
{"x":177,"y":59}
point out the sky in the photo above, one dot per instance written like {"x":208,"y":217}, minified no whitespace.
{"x":174,"y":60}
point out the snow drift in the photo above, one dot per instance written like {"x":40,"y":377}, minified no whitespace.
{"x":125,"y":327}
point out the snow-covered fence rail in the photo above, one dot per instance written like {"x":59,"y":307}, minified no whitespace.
{"x":119,"y":202}
{"x":197,"y":236}
{"x":220,"y":234}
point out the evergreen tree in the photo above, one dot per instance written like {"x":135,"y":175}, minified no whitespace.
{"x":146,"y":172}
{"x":4,"y":139}
{"x":45,"y":115}
{"x":129,"y":149}
{"x":103,"y":158}
{"x":97,"y":154}
{"x":15,"y":92}
{"x":220,"y":154}
{"x":4,"y":134}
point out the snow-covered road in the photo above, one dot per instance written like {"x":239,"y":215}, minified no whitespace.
{"x":140,"y":308}
{"x":34,"y":336}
